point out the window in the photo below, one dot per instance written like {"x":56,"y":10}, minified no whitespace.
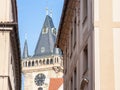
{"x":66,"y":63}
{"x":75,"y":80}
{"x":42,"y":49}
{"x":45,"y":31}
{"x":26,"y":64}
{"x":29,"y":64}
{"x":32,"y":63}
{"x":75,"y":24}
{"x":84,"y":10}
{"x":57,"y":60}
{"x":43,"y":61}
{"x":85,"y":59}
{"x":40,"y":62}
{"x":71,"y":83}
{"x":47,"y":61}
{"x":36,"y":63}
{"x":51,"y":61}
{"x":71,"y":42}
{"x":40,"y":88}
{"x":54,"y":31}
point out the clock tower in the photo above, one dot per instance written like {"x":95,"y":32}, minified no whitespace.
{"x":47,"y":61}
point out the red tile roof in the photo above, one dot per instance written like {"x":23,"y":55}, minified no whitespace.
{"x":55,"y":83}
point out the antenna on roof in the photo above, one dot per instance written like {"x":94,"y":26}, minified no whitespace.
{"x":51,"y":13}
{"x":47,"y":7}
{"x":46,"y":10}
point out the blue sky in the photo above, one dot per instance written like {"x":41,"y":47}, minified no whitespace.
{"x":31,"y":16}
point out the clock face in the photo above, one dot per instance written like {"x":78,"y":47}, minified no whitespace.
{"x":39,"y":79}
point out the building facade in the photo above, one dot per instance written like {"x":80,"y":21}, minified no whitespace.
{"x":10,"y":69}
{"x":88,"y":35}
{"x":46,"y":63}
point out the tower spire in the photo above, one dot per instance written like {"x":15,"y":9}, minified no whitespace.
{"x":45,"y":44}
{"x":25,"y":50}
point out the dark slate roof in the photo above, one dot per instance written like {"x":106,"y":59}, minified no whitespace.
{"x":25,"y":50}
{"x":45,"y":44}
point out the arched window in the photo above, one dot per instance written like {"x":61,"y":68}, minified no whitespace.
{"x":43,"y":61}
{"x":32,"y":63}
{"x":40,"y":62}
{"x":51,"y":61}
{"x":40,"y":88}
{"x":26,"y":64}
{"x":57,"y":60}
{"x":29,"y":64}
{"x":47,"y":61}
{"x":36,"y":63}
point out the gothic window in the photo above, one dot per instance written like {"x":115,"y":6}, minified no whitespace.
{"x":43,"y":61}
{"x":47,"y":61}
{"x":40,"y":62}
{"x":32,"y":63}
{"x":26,"y":63}
{"x":36,"y":63}
{"x":29,"y":64}
{"x":51,"y":61}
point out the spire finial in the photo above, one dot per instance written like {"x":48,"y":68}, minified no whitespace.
{"x":46,"y":10}
{"x":25,"y":50}
{"x":25,"y":36}
{"x":51,"y":13}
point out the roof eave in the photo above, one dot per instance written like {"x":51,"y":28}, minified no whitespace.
{"x":61,"y":23}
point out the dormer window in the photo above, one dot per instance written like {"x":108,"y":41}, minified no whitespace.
{"x":45,"y":31}
{"x":54,"y":31}
{"x":42,"y":49}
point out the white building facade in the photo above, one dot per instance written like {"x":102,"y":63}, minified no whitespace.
{"x":10,"y":69}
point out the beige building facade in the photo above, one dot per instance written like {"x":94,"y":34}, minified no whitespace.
{"x":10,"y":69}
{"x":88,"y":35}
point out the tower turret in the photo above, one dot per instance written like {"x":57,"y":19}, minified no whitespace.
{"x":25,"y":50}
